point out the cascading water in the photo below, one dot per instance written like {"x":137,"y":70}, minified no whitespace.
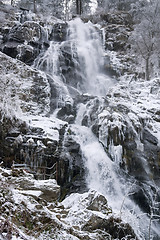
{"x":49,"y":63}
{"x":85,"y":43}
{"x":49,"y":60}
{"x":102,"y":176}
{"x":86,"y":56}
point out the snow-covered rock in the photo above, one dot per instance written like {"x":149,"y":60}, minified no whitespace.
{"x":23,"y":89}
{"x":25,"y":213}
{"x":124,"y":149}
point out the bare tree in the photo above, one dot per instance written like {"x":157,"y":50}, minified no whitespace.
{"x":145,"y":37}
{"x":154,"y":210}
{"x":34,"y":6}
{"x":66,"y":9}
{"x":79,"y":7}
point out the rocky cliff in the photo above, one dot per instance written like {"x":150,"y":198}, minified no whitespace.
{"x":50,"y":127}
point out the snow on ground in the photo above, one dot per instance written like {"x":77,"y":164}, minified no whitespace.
{"x":143,"y":101}
{"x":51,"y":220}
{"x":50,"y":125}
{"x":140,"y":97}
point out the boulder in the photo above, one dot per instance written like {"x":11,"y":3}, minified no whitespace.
{"x":113,"y":226}
{"x":59,"y":32}
{"x":47,"y":190}
{"x":24,"y":41}
{"x":97,"y":202}
{"x":71,"y":169}
{"x":29,"y":31}
{"x":10,"y":48}
{"x":67,"y":113}
{"x":147,"y":136}
{"x":30,"y":89}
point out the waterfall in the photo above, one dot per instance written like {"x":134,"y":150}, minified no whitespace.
{"x":86,"y":45}
{"x":102,"y":176}
{"x":77,"y":63}
{"x":48,"y":61}
{"x":85,"y":48}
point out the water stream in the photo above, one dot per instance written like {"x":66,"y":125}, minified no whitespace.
{"x":86,"y":45}
{"x":86,"y":50}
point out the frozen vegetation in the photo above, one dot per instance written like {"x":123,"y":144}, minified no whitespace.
{"x":80,"y":120}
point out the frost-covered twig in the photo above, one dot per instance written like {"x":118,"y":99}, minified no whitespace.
{"x":125,"y":196}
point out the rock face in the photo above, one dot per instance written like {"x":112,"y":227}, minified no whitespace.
{"x":59,"y":32}
{"x":23,"y":90}
{"x":24,"y":85}
{"x":23,"y":142}
{"x":130,"y":134}
{"x":39,"y":110}
{"x":32,"y":205}
{"x":24,"y":41}
{"x":47,"y":190}
{"x":71,"y":169}
{"x":117,"y":31}
{"x":113,"y":226}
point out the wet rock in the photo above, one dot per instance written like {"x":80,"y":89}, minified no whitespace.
{"x":98,"y":202}
{"x":27,"y":53}
{"x":28,"y":31}
{"x":70,"y":168}
{"x":95,"y":130}
{"x":85,"y":121}
{"x":10,"y":49}
{"x":72,"y":146}
{"x":59,"y":32}
{"x":141,"y":197}
{"x":147,"y":136}
{"x":131,"y":145}
{"x":114,"y":226}
{"x":136,"y":165}
{"x":116,"y":137}
{"x":70,"y":67}
{"x":67,"y":113}
{"x":29,"y":96}
{"x":24,"y":41}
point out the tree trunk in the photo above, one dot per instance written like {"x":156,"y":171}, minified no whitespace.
{"x":79,"y":7}
{"x":66,"y":11}
{"x":147,"y":69}
{"x":34,"y":6}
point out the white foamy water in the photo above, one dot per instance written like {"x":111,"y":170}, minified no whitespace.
{"x":86,"y":44}
{"x":87,"y":55}
{"x":102,"y":173}
{"x":102,"y":177}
